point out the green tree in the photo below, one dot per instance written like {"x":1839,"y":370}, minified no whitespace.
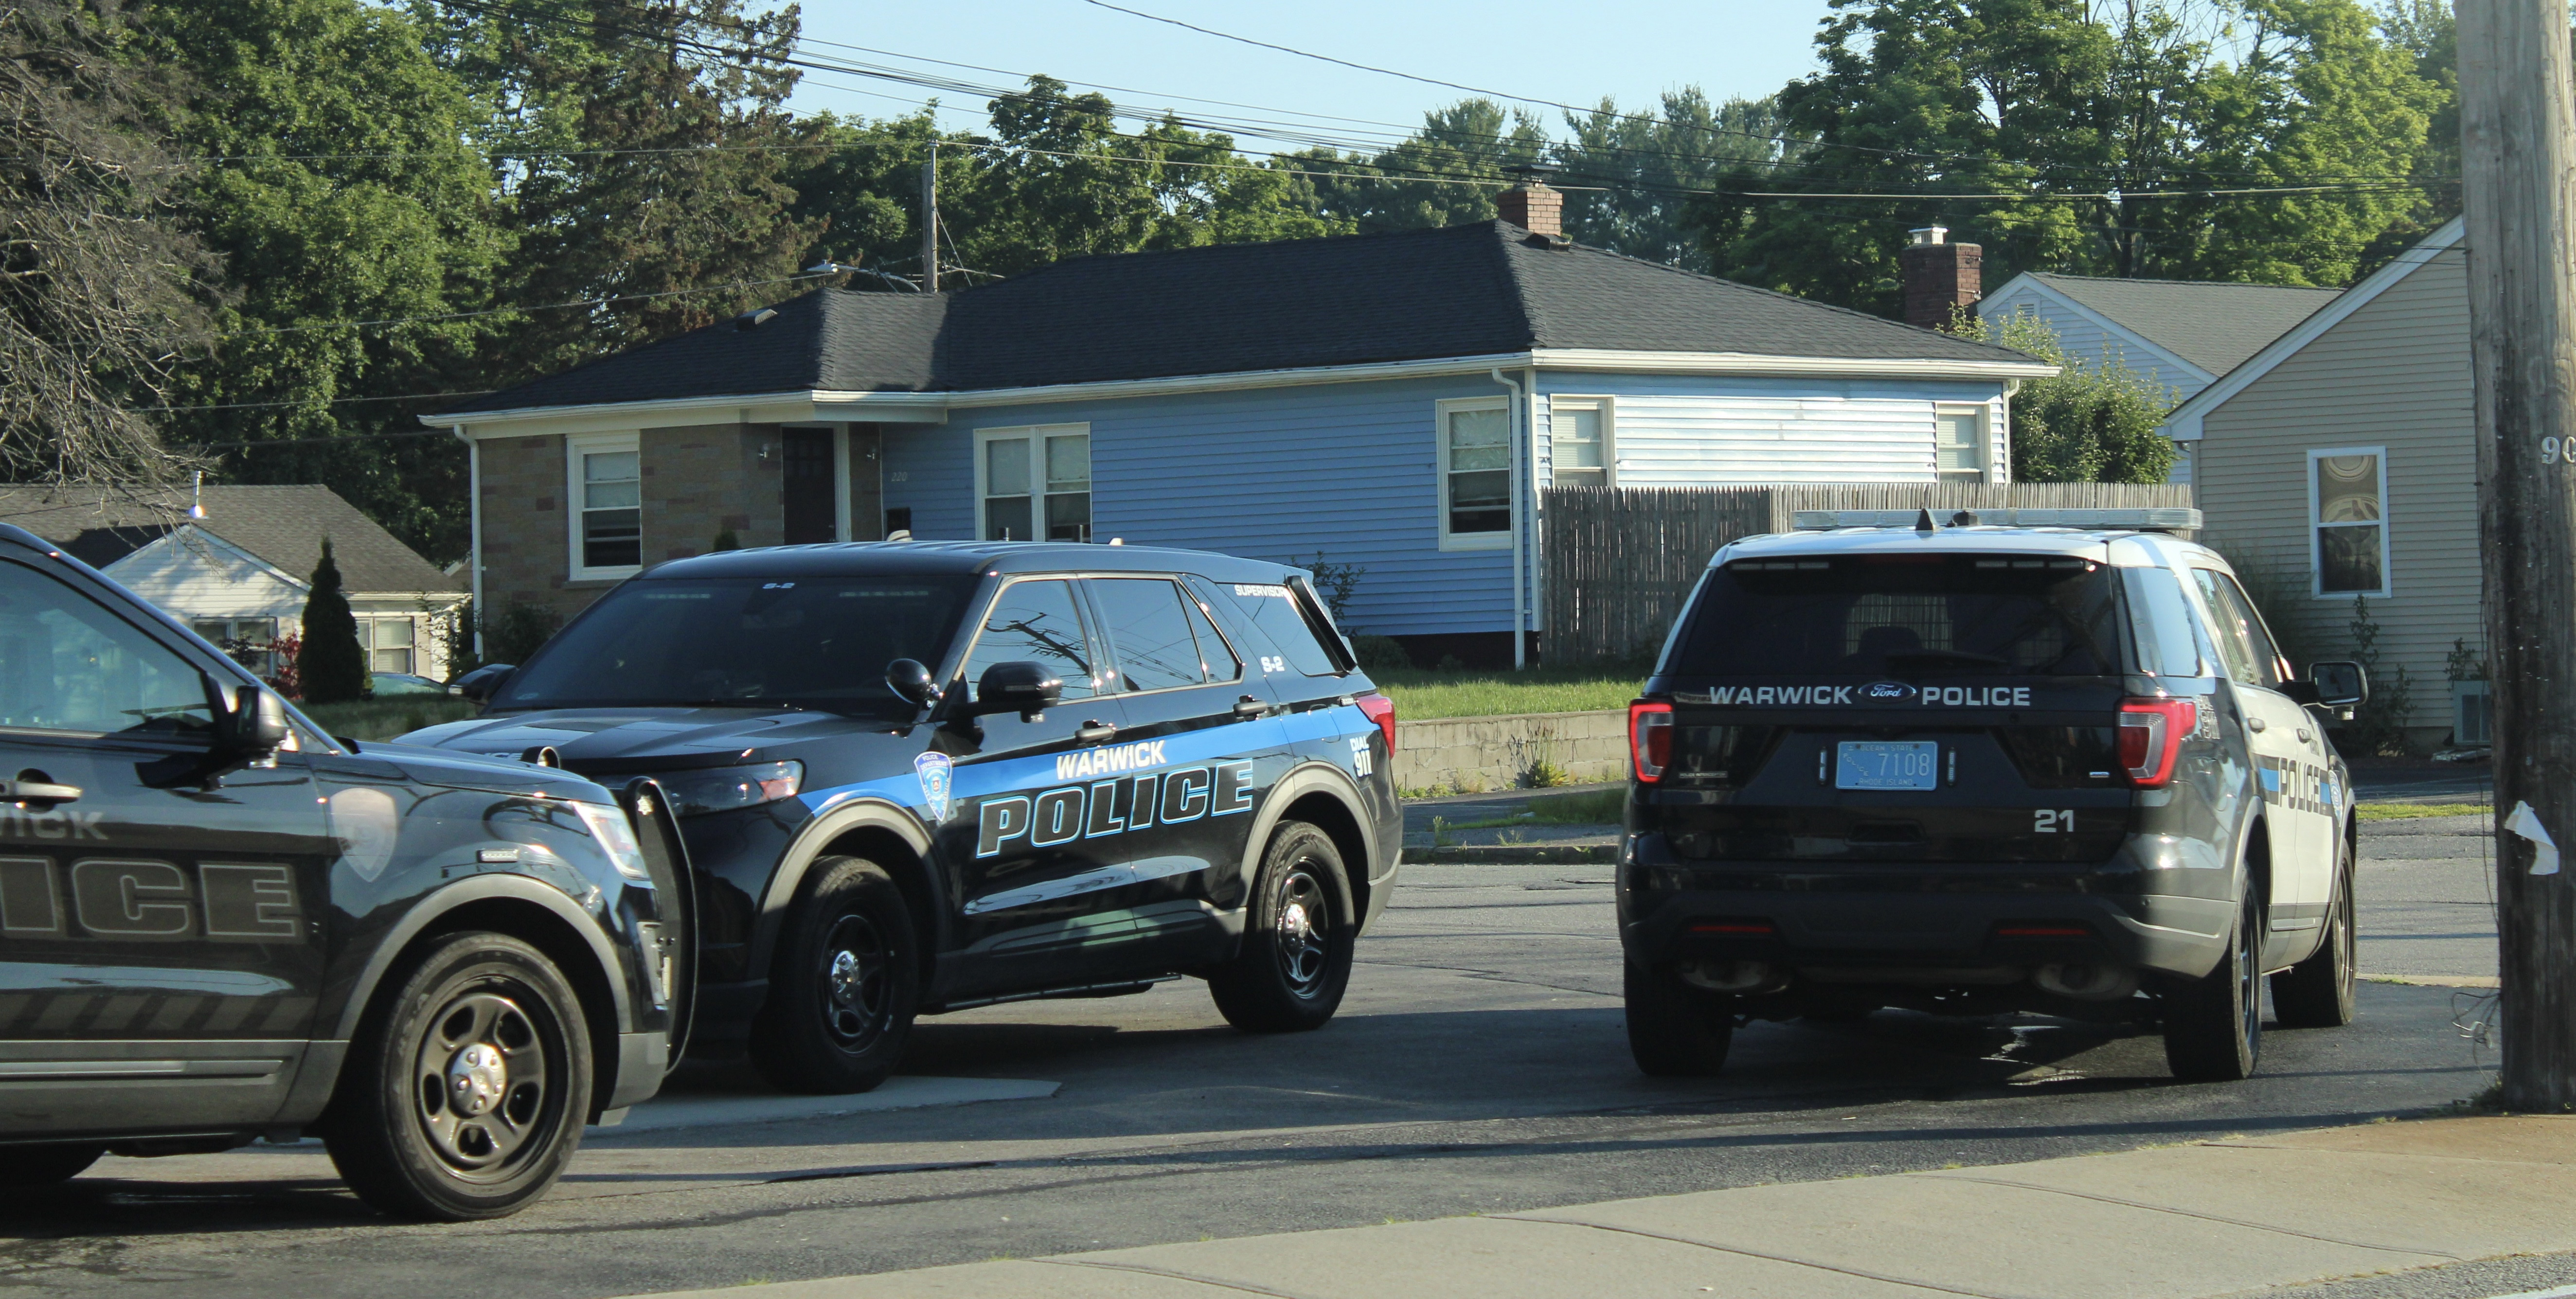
{"x":1447,"y":173}
{"x":2090,"y":422}
{"x":330,"y":665}
{"x":339,"y":188}
{"x":1628,"y":178}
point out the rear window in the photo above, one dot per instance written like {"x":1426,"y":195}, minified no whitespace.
{"x":1286,"y":615}
{"x":1905,"y":615}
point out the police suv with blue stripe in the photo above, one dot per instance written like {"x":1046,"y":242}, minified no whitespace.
{"x":2033,"y":760}
{"x":918,"y":777}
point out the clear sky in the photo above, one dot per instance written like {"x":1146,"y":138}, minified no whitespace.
{"x":1632,"y":51}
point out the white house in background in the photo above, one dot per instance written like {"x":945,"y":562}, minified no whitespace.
{"x":241,"y":573}
{"x":2184,"y":334}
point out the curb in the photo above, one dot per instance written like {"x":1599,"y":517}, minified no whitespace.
{"x":1512,"y":855}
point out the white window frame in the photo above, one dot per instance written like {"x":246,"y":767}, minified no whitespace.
{"x":1609,"y":408}
{"x":1984,"y":413}
{"x":367,"y":624}
{"x":1037,"y":434}
{"x":2387,"y":545}
{"x":1440,"y":476}
{"x":575,"y":447}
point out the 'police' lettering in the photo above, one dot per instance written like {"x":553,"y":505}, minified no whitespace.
{"x":1057,"y":818}
{"x":1233,"y":788}
{"x":1104,"y":811}
{"x":29,"y":906}
{"x":1185,"y":795}
{"x":250,"y":903}
{"x":132,"y":899}
{"x":997,"y":822}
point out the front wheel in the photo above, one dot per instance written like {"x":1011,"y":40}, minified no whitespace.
{"x":466,"y":1089}
{"x":2318,"y":992}
{"x":1297,"y":943}
{"x":1674,"y":1032}
{"x":844,"y":986}
{"x":2214,"y":1024}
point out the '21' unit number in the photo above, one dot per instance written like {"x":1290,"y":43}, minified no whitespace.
{"x":2052,"y":820}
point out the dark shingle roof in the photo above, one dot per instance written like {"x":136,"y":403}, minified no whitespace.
{"x":282,"y":525}
{"x":2212,"y":325}
{"x":1470,"y":290}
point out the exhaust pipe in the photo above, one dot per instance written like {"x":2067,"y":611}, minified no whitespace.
{"x":1731,"y":976}
{"x":2086,"y":982}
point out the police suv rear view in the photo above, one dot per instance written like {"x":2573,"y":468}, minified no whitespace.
{"x":1974,"y":766}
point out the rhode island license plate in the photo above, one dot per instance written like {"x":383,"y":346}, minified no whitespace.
{"x":1887,"y":764}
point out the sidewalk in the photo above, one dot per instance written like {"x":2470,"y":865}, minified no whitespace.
{"x":2172,"y":1223}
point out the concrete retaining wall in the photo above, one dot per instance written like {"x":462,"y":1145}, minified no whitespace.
{"x":1470,"y":754}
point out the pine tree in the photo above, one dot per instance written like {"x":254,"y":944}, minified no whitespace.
{"x":332,"y":667}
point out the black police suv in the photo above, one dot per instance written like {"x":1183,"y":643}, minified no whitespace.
{"x":219,"y":924}
{"x":917,"y":777}
{"x":1976,"y":769}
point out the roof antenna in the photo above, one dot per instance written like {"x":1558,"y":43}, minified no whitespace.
{"x":197,"y":496}
{"x":1927,"y":523}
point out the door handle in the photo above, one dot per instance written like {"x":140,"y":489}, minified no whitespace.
{"x":2253,"y":723}
{"x":1094,"y":731}
{"x":1250,"y":707}
{"x":35,"y":791}
{"x":2304,"y":735}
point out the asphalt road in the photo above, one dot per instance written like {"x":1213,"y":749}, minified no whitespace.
{"x":1478,"y":1066}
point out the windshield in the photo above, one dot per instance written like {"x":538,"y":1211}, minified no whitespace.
{"x":1903,"y":616}
{"x":745,"y":642}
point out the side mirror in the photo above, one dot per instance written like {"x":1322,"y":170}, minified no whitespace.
{"x":484,"y":682}
{"x":2340,"y":684}
{"x":910,"y":681}
{"x":1028,"y":689}
{"x":257,"y":726}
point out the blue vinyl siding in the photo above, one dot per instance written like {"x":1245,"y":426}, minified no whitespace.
{"x":1349,"y":469}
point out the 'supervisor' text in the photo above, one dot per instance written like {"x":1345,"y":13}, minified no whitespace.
{"x":1107,"y":807}
{"x":1868,"y":696}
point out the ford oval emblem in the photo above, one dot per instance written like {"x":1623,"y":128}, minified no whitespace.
{"x":1887,"y":692}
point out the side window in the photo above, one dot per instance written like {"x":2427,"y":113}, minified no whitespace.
{"x":2241,"y":639}
{"x":1279,"y":614}
{"x":67,"y":664}
{"x":1221,"y":663}
{"x":1035,"y":622}
{"x":2161,"y":620}
{"x":1148,"y":627}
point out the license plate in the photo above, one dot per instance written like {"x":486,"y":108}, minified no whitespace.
{"x":1884,"y":764}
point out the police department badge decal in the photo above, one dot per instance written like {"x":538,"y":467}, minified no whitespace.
{"x":933,"y":771}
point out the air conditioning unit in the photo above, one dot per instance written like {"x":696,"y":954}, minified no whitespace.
{"x":2472,"y":713}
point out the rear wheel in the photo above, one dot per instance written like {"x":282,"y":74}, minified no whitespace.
{"x":466,"y":1090}
{"x":1674,"y":1032}
{"x":2214,"y":1024}
{"x":2318,"y":992}
{"x":33,"y":1168}
{"x":1297,"y":945}
{"x":844,"y":986}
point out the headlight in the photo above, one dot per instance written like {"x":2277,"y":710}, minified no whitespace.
{"x":722,"y":789}
{"x":616,"y":838}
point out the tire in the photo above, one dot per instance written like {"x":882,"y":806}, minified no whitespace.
{"x":1295,"y":962}
{"x":844,"y":986}
{"x":2214,"y":1024}
{"x":467,"y":1085}
{"x":2318,"y":992}
{"x":1672,"y":1031}
{"x":34,"y":1168}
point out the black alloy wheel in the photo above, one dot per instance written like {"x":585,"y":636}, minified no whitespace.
{"x":844,"y":985}
{"x":1295,"y":963}
{"x":2319,"y":991}
{"x":35,"y":1168}
{"x":2214,"y":1024}
{"x":468,"y":1085}
{"x":1675,"y":1031}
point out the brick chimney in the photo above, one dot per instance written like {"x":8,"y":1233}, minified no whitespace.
{"x":1940,"y":276}
{"x":1531,"y":204}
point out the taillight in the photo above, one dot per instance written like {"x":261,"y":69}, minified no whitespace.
{"x":2151,"y":734}
{"x":1381,"y":710}
{"x":1650,"y":740}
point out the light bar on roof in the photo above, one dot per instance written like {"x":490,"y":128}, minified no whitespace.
{"x":2154,"y":518}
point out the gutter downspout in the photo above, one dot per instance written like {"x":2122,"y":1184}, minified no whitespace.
{"x":473,"y":531}
{"x":1520,"y":641}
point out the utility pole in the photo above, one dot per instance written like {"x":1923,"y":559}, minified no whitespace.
{"x":930,"y":221}
{"x":2518,"y":146}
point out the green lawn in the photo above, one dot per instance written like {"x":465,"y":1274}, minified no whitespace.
{"x":383,"y":719}
{"x":2410,"y":811}
{"x":1420,"y":694}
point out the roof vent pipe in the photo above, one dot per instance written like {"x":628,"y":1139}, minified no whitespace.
{"x":754,"y":319}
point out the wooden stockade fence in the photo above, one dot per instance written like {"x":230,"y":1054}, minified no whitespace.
{"x":1617,"y":562}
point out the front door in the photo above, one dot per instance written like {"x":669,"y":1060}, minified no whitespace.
{"x":810,"y":504}
{"x":2289,"y":748}
{"x":160,"y":941}
{"x":1029,"y":847}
